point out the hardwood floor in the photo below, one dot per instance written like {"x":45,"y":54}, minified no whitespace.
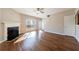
{"x":41,"y":41}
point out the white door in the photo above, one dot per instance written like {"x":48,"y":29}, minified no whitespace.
{"x":69,"y":25}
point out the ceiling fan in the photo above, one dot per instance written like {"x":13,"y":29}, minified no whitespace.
{"x":41,"y":10}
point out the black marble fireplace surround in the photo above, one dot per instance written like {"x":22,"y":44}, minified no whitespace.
{"x":12,"y":33}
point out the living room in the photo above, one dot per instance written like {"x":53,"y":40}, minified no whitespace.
{"x":22,"y":27}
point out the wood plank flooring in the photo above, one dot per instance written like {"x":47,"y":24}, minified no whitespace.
{"x":41,"y":41}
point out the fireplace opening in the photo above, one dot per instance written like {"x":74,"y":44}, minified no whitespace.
{"x":12,"y":33}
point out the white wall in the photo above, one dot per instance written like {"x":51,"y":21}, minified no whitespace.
{"x":10,"y":15}
{"x":77,"y":32}
{"x":69,"y":25}
{"x":55,"y":24}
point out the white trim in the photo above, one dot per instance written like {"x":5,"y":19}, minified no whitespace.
{"x":55,"y":32}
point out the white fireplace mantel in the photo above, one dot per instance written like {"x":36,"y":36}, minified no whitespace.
{"x":5,"y":26}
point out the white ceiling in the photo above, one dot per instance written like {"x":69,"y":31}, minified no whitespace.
{"x":33,"y":11}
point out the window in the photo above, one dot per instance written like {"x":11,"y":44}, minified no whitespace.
{"x":30,"y":23}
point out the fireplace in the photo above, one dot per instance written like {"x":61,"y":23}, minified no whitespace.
{"x":12,"y":33}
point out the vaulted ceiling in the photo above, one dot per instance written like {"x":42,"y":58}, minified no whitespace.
{"x":37,"y":13}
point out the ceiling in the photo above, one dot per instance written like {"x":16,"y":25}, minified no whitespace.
{"x":34,"y":12}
